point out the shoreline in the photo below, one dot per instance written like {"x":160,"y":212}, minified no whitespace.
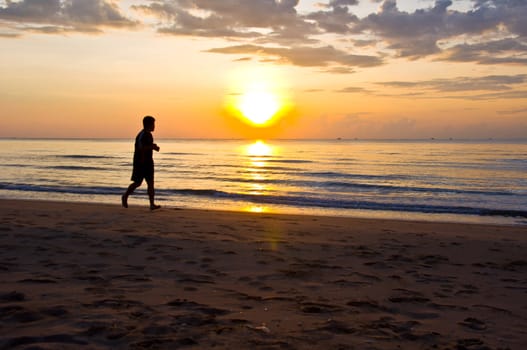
{"x":84,"y":275}
{"x":351,"y":214}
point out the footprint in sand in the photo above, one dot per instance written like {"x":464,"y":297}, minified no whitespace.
{"x":62,"y":339}
{"x":474,"y":324}
{"x":12,"y":297}
{"x":19,"y":314}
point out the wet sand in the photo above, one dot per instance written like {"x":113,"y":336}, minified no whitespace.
{"x":93,"y":276}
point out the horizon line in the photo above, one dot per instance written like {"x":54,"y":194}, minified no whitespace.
{"x":276,"y":139}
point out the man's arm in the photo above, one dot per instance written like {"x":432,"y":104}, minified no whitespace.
{"x":152,"y":146}
{"x":148,"y":143}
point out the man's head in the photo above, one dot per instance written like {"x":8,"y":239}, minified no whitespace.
{"x":149,"y":123}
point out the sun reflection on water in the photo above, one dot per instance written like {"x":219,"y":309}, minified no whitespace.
{"x":255,"y":175}
{"x":256,"y":209}
{"x":258,"y":189}
{"x":259,"y":149}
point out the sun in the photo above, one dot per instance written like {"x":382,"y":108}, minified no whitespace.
{"x":259,"y":106}
{"x":259,"y":98}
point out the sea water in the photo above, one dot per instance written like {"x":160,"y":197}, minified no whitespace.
{"x":433,"y":180}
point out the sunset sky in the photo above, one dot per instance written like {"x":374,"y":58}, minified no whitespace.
{"x":337,"y":68}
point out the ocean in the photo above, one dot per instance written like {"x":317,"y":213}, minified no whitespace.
{"x":432,"y":180}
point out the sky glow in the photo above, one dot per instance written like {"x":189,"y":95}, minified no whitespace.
{"x":346,"y":68}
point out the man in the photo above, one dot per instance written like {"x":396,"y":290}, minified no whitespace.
{"x":143,"y":162}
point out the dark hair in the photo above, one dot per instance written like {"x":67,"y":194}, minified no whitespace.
{"x":148,"y":121}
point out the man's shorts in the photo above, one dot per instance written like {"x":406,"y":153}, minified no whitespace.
{"x":143,"y":171}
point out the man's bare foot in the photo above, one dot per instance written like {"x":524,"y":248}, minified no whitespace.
{"x":124,"y":201}
{"x":154,"y":206}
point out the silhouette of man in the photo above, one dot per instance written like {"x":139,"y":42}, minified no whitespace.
{"x":143,"y":162}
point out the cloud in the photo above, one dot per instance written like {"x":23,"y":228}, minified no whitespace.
{"x":468,"y":88}
{"x":353,"y":90}
{"x":280,"y":36}
{"x":409,"y":34}
{"x":515,"y":94}
{"x":10,"y":35}
{"x":513,"y":111}
{"x":31,"y":11}
{"x":338,"y":3}
{"x":512,"y":13}
{"x":56,"y":16}
{"x":304,"y":56}
{"x":339,"y":70}
{"x":228,"y":18}
{"x":492,"y":32}
{"x":418,"y":34}
{"x":463,"y":84}
{"x":504,"y":51}
{"x":337,"y":20}
{"x":492,"y":87}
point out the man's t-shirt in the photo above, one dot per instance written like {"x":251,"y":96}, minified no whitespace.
{"x":143,"y":160}
{"x":143,"y":148}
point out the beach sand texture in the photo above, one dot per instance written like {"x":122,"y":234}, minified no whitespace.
{"x":94,"y":276}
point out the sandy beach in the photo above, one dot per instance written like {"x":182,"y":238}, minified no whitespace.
{"x":94,"y":276}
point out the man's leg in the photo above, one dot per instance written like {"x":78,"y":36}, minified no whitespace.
{"x":151,"y":194}
{"x":129,"y":191}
